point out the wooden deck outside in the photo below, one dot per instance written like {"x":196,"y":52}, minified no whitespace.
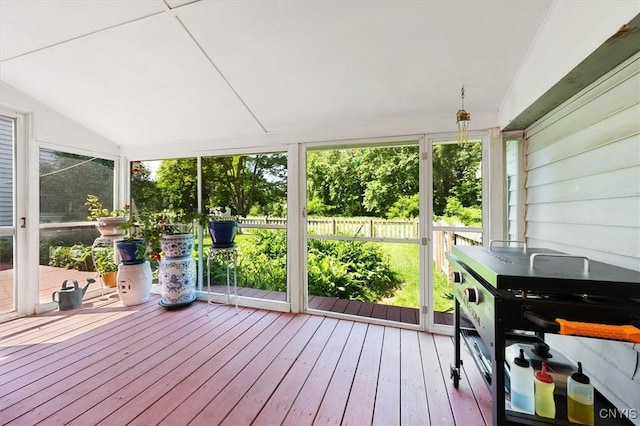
{"x":353,"y":307}
{"x":112,"y":365}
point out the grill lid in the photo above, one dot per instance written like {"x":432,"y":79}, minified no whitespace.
{"x":510,"y":268}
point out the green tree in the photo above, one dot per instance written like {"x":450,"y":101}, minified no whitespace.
{"x":361,"y":181}
{"x":454,"y":174}
{"x":243,"y":182}
{"x":333,"y":179}
{"x":145,"y":194}
{"x":389,"y":175}
{"x":178,"y":185}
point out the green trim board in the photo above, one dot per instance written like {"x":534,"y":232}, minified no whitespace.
{"x":619,"y":47}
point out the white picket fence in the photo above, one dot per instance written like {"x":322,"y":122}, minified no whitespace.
{"x":349,"y":227}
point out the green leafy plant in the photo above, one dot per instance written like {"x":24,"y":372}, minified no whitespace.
{"x":354,"y":270}
{"x":103,"y":260}
{"x":220,"y":214}
{"x":97,"y":210}
{"x":76,"y":257}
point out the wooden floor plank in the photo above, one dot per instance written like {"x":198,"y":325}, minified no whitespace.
{"x":362,"y":398}
{"x":435,"y":374}
{"x":139,"y":377}
{"x":387,"y":406}
{"x":463,"y":404}
{"x":67,"y":351}
{"x":108,"y":364}
{"x":164,"y":379}
{"x":379,"y":311}
{"x":413,"y":393}
{"x":310,"y":397}
{"x":280,"y":360}
{"x":335,"y":400}
{"x":293,"y":335}
{"x":220,"y":393}
{"x":268,"y":401}
{"x":77,"y":379}
{"x":191,"y":394}
{"x":366,"y":310}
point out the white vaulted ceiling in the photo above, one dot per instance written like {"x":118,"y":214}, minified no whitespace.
{"x":150,"y":71}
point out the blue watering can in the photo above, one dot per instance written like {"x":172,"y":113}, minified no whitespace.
{"x":70,"y":297}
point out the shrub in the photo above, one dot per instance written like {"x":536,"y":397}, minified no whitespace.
{"x":354,"y":270}
{"x":470,"y":216}
{"x":264,"y":261}
{"x":76,"y":257}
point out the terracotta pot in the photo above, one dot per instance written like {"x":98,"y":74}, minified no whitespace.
{"x":110,"y":226}
{"x":109,"y":279}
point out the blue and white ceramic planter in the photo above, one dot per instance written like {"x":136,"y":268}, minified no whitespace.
{"x":131,"y":252}
{"x":177,"y":273}
{"x":177,"y":245}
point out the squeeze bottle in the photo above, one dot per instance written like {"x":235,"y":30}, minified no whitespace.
{"x":544,"y":386}
{"x":522,"y":387}
{"x":580,"y":398}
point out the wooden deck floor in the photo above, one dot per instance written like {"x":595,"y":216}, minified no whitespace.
{"x":143,"y":365}
{"x":51,"y":279}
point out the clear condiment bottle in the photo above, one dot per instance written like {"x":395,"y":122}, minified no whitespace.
{"x":580,"y":398}
{"x":544,"y":386}
{"x":522,"y":387}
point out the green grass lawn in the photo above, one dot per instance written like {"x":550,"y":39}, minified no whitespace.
{"x":405,"y":261}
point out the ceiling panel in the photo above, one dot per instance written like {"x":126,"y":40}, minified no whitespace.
{"x":135,"y":72}
{"x":306,"y":64}
{"x":138,"y":83}
{"x":26,"y":26}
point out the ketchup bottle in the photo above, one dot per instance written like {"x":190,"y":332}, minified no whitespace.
{"x":544,"y":386}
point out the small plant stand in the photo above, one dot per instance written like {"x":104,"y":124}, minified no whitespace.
{"x":229,"y":257}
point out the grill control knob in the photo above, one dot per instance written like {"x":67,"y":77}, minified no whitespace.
{"x":457,"y":277}
{"x":472,"y":295}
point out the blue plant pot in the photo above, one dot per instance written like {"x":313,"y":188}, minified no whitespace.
{"x":131,"y":251}
{"x":223,"y":233}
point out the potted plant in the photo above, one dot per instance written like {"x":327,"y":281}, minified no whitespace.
{"x":108,"y":222}
{"x":106,"y":266}
{"x":223,"y":228}
{"x":132,"y":247}
{"x":134,"y":273}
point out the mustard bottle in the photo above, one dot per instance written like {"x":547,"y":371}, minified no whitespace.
{"x":580,"y":398}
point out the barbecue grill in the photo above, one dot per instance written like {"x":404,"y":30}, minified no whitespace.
{"x":508,"y":296}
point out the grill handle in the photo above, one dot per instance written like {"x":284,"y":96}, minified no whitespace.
{"x":543,"y":323}
{"x":627,"y":333}
{"x":534,"y":256}
{"x":524,"y":243}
